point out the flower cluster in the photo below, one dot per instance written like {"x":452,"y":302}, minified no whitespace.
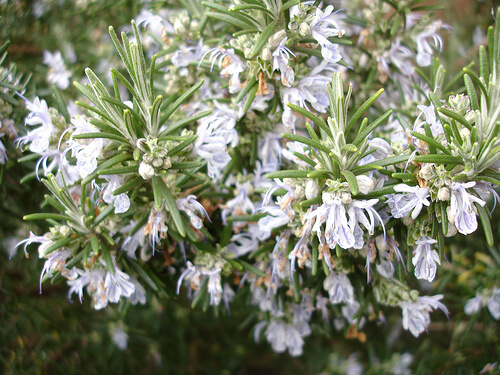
{"x":226,"y":155}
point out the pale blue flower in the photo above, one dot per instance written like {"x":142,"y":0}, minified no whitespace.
{"x":462,"y":210}
{"x":339,"y":288}
{"x":413,"y":200}
{"x":416,"y":315}
{"x":325,"y":25}
{"x":281,"y":57}
{"x":424,"y":259}
{"x":191,"y":206}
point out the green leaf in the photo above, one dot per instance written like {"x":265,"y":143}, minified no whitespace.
{"x":100,"y":135}
{"x":181,"y":146}
{"x":103,"y":215}
{"x":366,"y":132}
{"x":438,"y":159}
{"x":172,"y":107}
{"x":310,"y":202}
{"x":431,"y":141}
{"x":248,"y":267}
{"x":181,"y":124}
{"x":307,"y":141}
{"x":311,"y":116}
{"x":320,"y":174}
{"x":58,"y":245}
{"x":250,"y":98}
{"x":485,"y":221}
{"x":45,"y":216}
{"x":351,"y":180}
{"x":232,"y":20}
{"x":471,"y":92}
{"x":288,"y":174}
{"x":362,"y":109}
{"x":162,"y":193}
{"x":130,"y":185}
{"x":456,"y":116}
{"x":263,"y":39}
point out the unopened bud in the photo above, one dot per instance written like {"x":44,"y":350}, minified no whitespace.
{"x":312,"y":189}
{"x":427,"y":172}
{"x":167,"y":163}
{"x":346,"y":198}
{"x":276,"y":38}
{"x":266,"y":54}
{"x":327,"y":197}
{"x":365,"y":184}
{"x":157,"y":162}
{"x":304,"y":29}
{"x":146,"y":171}
{"x":444,"y":193}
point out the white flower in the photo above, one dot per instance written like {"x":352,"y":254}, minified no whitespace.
{"x":242,"y":244}
{"x":494,"y":303}
{"x":156,"y":227}
{"x":462,"y":210}
{"x":214,"y":285}
{"x":42,"y":240}
{"x":414,"y":200}
{"x":424,"y":259}
{"x":276,"y":218}
{"x":118,"y":284}
{"x":339,"y":288}
{"x":283,"y":336}
{"x":120,"y":338}
{"x":187,"y":54}
{"x":191,"y":273}
{"x":281,"y":56}
{"x":481,"y":299}
{"x":120,"y":201}
{"x":58,"y":74}
{"x":323,"y":26}
{"x":400,"y":56}
{"x":215,"y":133}
{"x":57,"y":262}
{"x":430,"y":118}
{"x":191,"y":206}
{"x":132,"y":242}
{"x":3,"y":151}
{"x":139,"y":294}
{"x":474,"y":304}
{"x":356,"y":216}
{"x":416,"y":315}
{"x":86,"y":152}
{"x":38,"y":138}
{"x":231,"y":66}
{"x":424,"y":39}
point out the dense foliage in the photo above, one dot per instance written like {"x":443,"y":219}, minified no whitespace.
{"x":219,"y":183}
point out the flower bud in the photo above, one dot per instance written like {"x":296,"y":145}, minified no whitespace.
{"x":459,"y":103}
{"x":304,"y":29}
{"x":312,"y":189}
{"x":327,"y":197}
{"x":427,"y":172}
{"x":465,"y":133}
{"x":365,"y":184}
{"x":381,"y":243}
{"x":276,"y":38}
{"x":346,"y":198}
{"x":65,"y":230}
{"x":167,"y":163}
{"x":146,"y":171}
{"x":266,"y":54}
{"x":444,"y":193}
{"x":157,"y":162}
